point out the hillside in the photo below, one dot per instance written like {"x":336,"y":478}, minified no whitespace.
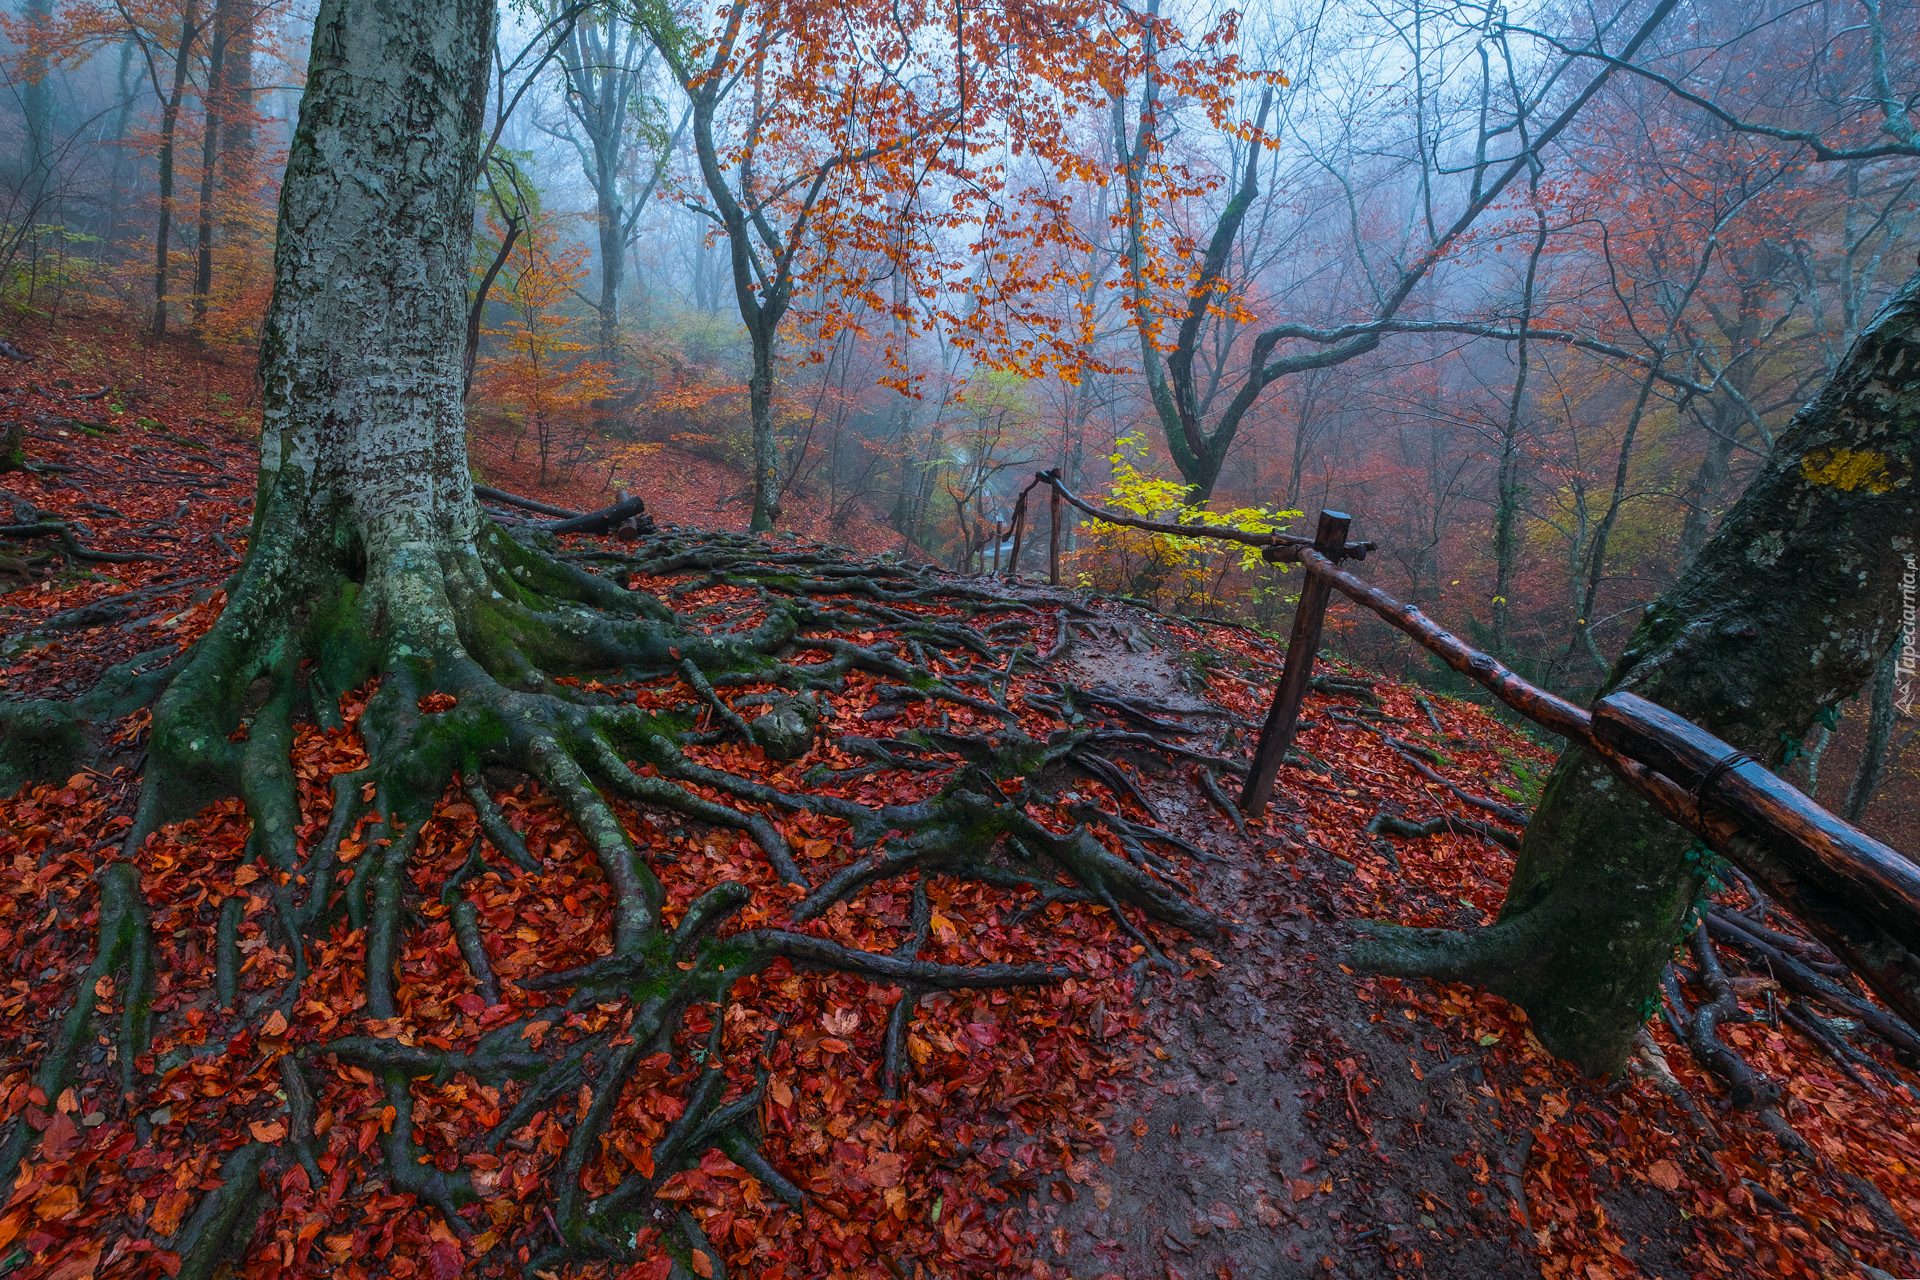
{"x":1202,"y":1088}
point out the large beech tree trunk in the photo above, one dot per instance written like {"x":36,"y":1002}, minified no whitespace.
{"x":364,"y":477}
{"x":1786,"y":611}
{"x":364,"y":437}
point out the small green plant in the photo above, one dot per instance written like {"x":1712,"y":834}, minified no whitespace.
{"x":42,"y":263}
{"x":1527,"y":779}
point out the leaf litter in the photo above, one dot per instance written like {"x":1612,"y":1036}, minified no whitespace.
{"x":1256,"y":1110}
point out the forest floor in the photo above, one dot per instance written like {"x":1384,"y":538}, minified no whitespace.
{"x":1256,"y":1109}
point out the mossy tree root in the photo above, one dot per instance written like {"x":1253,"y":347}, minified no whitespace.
{"x":1445,"y":955}
{"x":893,"y":1070}
{"x":222,"y":1224}
{"x":465,"y":645}
{"x":957,"y":831}
{"x":125,"y":945}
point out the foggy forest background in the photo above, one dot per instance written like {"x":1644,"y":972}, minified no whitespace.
{"x":1537,"y":402}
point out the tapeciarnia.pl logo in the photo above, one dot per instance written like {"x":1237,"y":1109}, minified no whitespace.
{"x":1907,"y":669}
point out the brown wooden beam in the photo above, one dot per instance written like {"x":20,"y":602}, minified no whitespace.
{"x":1276,"y":736}
{"x":1859,"y":897}
{"x":1873,"y":878}
{"x":1877,"y":956}
{"x":1529,"y":700}
{"x":1279,"y":543}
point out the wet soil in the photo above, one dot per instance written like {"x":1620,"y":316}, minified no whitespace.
{"x":1279,"y":1125}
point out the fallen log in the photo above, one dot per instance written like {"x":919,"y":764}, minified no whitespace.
{"x":525,"y":504}
{"x":605,"y":520}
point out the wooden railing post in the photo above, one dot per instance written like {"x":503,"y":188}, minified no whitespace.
{"x":1330,"y":540}
{"x":998,"y":536}
{"x":1053,"y":544}
{"x":1019,"y":532}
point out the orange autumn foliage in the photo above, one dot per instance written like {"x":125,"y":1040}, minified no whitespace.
{"x":537,"y":374}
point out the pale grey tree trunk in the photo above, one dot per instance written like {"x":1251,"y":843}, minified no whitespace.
{"x":361,"y":359}
{"x":364,"y":523}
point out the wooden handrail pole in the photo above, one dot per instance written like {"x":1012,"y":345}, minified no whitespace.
{"x":1053,"y":571}
{"x":1534,"y":703}
{"x":1872,"y":878}
{"x":1019,"y":531}
{"x":1276,"y":736}
{"x":1272,"y":542}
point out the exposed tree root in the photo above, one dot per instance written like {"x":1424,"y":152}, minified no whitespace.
{"x":1651,"y":1062}
{"x":465,"y":651}
{"x":223,"y":1223}
{"x":124,"y":944}
{"x":1747,"y":1086}
{"x":1388,"y":824}
{"x":1753,"y":1092}
{"x":1221,"y":801}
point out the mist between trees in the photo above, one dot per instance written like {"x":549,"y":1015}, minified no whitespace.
{"x":1528,"y":290}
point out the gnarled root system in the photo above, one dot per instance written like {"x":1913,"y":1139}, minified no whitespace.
{"x":494,"y":668}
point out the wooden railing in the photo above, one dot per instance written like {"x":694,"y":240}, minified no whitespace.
{"x":1279,"y":546}
{"x":1859,"y":896}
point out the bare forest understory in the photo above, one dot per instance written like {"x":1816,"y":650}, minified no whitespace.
{"x":964,"y":964}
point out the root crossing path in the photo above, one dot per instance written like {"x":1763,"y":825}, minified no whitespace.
{"x":712,"y":925}
{"x":858,"y":921}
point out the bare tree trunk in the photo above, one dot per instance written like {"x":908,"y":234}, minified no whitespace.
{"x":1506,"y":515}
{"x":190,"y":27}
{"x":117,"y":179}
{"x":1707,"y":479}
{"x":36,"y":96}
{"x":215,"y":104}
{"x":766,"y":455}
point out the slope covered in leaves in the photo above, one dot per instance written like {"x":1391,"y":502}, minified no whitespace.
{"x":1412,"y":1125}
{"x":1429,"y":1132}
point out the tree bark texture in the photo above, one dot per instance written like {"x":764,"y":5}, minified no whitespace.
{"x":362,"y":355}
{"x":364,"y":481}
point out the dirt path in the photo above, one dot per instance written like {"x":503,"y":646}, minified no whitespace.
{"x":1281,"y":1125}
